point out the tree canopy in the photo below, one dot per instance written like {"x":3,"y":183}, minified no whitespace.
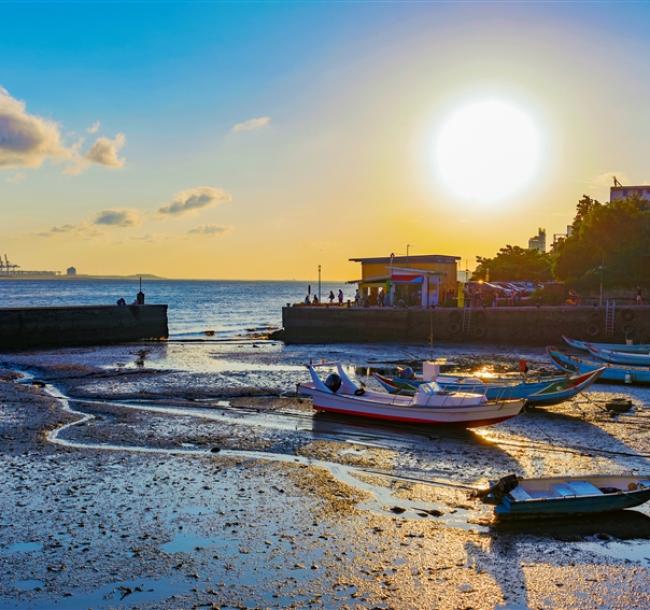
{"x":611,"y":240}
{"x":514,"y":263}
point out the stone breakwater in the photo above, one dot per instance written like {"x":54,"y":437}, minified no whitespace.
{"x":80,"y":325}
{"x":500,"y":325}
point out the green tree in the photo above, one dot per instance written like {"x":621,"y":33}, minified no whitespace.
{"x":612,"y":240}
{"x":514,"y":263}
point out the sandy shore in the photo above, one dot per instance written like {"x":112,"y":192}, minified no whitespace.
{"x":192,"y":481}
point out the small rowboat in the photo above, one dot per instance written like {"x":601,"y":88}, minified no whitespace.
{"x":614,"y":357}
{"x":628,"y":348}
{"x":612,"y":373}
{"x":549,"y":391}
{"x":430,"y":405}
{"x":556,"y":496}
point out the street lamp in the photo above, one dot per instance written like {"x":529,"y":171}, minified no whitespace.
{"x":319,"y":292}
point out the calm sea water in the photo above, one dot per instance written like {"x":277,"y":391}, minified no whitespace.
{"x":229,"y":308}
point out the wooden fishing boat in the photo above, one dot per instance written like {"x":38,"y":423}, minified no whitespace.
{"x":547,"y":392}
{"x":623,"y":358}
{"x":629,"y":348}
{"x":612,"y":373}
{"x":554,"y":496}
{"x":429,"y":405}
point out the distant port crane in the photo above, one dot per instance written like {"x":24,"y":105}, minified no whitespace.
{"x":6,"y":266}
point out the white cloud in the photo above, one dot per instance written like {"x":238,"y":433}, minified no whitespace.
{"x":117,"y":218}
{"x":209,"y":230}
{"x":105,"y":151}
{"x":26,"y":140}
{"x":252,"y":124}
{"x":195,"y":199}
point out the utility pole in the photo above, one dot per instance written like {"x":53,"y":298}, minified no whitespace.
{"x":601,"y":269}
{"x":408,"y":247}
{"x":319,"y":292}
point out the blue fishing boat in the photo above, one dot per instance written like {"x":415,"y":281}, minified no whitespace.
{"x":555,"y":496}
{"x":612,"y":373}
{"x":630,"y":348}
{"x":546,"y":392}
{"x":614,"y":357}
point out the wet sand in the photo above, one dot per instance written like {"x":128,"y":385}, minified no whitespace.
{"x":189,"y":475}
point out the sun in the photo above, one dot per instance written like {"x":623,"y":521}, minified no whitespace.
{"x":487,"y":151}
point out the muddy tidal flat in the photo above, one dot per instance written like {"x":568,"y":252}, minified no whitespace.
{"x":190,"y":475}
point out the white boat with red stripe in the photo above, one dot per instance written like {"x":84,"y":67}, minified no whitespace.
{"x":430,"y":405}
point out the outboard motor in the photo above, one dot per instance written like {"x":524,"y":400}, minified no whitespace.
{"x":333,"y":382}
{"x":405,"y":372}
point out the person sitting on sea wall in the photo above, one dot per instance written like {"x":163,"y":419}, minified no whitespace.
{"x":121,"y":302}
{"x":315,"y":300}
{"x":331,"y":297}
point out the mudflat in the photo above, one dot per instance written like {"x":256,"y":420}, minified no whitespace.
{"x":190,"y":475}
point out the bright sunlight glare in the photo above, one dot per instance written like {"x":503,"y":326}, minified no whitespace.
{"x":487,"y":151}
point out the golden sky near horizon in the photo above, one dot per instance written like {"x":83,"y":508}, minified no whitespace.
{"x":262,"y":162}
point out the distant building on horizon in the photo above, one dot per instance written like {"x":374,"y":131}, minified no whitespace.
{"x":71,"y":271}
{"x":616,"y":193}
{"x":558,"y":237}
{"x":538,"y":242}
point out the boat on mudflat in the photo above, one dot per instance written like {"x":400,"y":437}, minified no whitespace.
{"x":570,"y":495}
{"x":549,"y":391}
{"x":615,"y":357}
{"x":629,"y":348}
{"x":613,"y":373}
{"x":429,"y":405}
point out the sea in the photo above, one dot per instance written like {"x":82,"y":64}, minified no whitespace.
{"x":230,"y":309}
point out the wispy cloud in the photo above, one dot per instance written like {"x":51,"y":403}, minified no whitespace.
{"x":252,"y":124}
{"x":194,"y":199}
{"x":209,"y":230}
{"x":117,"y":218}
{"x":83,"y":230}
{"x":26,"y":140}
{"x":94,"y":128}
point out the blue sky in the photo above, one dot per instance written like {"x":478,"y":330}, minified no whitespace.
{"x":352,"y":92}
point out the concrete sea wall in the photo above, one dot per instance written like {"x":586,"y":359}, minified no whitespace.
{"x":83,"y":325}
{"x":505,"y":325}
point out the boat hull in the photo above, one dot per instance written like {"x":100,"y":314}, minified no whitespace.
{"x":620,"y":358}
{"x":466,"y":416}
{"x":537,"y":393}
{"x":611,"y":373}
{"x":513,"y":506}
{"x":640,"y":348}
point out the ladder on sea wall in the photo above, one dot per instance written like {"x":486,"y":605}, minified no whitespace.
{"x":610,"y":316}
{"x":467,"y":317}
